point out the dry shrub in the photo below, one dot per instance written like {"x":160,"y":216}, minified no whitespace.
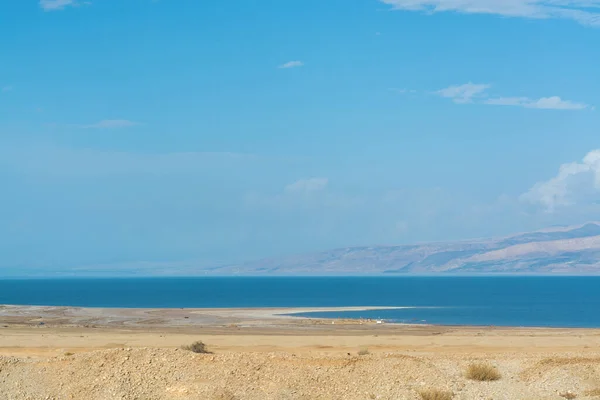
{"x":363,"y":352}
{"x":482,"y":373}
{"x":224,"y":394}
{"x":434,"y":394}
{"x":196,"y":347}
{"x":568,"y":395}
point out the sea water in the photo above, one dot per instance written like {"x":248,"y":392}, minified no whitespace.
{"x":500,"y":301}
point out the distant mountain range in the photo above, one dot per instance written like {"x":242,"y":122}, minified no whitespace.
{"x":571,"y":250}
{"x":561,"y":250}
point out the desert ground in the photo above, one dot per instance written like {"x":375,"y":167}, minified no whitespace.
{"x":260,"y":354}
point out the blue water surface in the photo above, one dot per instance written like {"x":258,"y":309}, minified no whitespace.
{"x":500,"y":301}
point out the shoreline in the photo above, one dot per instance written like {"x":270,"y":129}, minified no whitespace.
{"x":23,"y":327}
{"x":113,"y":317}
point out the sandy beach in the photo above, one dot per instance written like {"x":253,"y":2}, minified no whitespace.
{"x":95,"y":353}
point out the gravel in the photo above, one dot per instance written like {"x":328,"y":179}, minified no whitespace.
{"x":154,"y":373}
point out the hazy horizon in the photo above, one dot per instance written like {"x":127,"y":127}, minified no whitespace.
{"x":217,"y":133}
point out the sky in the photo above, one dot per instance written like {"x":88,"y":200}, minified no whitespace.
{"x":214,"y":132}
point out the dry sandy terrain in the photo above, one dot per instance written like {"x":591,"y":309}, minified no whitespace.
{"x":72,"y":353}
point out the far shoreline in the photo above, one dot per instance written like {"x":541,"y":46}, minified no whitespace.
{"x":288,"y":319}
{"x":312,"y":276}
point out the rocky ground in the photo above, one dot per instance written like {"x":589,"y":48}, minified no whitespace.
{"x":158,"y":373}
{"x":58,"y":353}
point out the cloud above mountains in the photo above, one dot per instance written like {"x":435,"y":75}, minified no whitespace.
{"x":585,"y":12}
{"x":575,"y":183}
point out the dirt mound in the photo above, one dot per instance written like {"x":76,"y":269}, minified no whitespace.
{"x":565,"y":374}
{"x":152,"y":373}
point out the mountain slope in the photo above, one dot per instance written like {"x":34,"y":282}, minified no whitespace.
{"x":569,"y":250}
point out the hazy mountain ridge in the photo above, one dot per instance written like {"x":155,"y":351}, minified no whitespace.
{"x":558,"y":250}
{"x":565,"y":250}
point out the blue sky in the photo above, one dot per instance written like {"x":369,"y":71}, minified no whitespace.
{"x":213,"y":132}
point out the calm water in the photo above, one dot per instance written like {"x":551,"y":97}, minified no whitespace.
{"x":509,"y":301}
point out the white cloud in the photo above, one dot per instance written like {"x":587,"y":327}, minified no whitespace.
{"x":508,"y":101}
{"x":556,"y":103}
{"x":49,"y":5}
{"x":470,"y":92}
{"x":575,"y":182}
{"x":292,"y":64}
{"x":586,"y":12}
{"x":307,"y":185}
{"x":110,"y":124}
{"x":547,"y":103}
{"x":463,"y":93}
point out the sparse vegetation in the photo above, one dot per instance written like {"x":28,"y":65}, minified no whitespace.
{"x":568,"y":395}
{"x":197,"y":347}
{"x":434,"y":394}
{"x":593,"y":393}
{"x":482,"y":372}
{"x":68,"y":353}
{"x":224,"y":395}
{"x":363,"y":352}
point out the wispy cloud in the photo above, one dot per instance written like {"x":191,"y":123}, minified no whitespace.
{"x":291,"y":64}
{"x":304,"y":194}
{"x":109,"y":124}
{"x":586,"y":12}
{"x":402,"y":90}
{"x":575,"y":182}
{"x":50,"y":5}
{"x":307,"y":185}
{"x":7,"y":88}
{"x":53,"y":5}
{"x":463,"y":93}
{"x":547,"y":103}
{"x":471,"y":92}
